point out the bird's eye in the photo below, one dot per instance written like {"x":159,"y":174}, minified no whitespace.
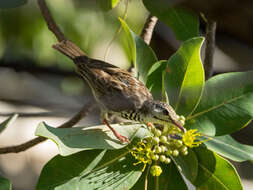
{"x":165,"y":112}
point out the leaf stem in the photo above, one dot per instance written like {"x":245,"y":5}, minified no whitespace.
{"x":156,"y":182}
{"x":146,"y":179}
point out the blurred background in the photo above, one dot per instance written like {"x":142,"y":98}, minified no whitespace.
{"x":41,"y":85}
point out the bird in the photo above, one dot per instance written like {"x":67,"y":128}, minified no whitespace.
{"x":118,"y":92}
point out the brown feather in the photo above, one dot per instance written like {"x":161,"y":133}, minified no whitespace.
{"x":115,"y":89}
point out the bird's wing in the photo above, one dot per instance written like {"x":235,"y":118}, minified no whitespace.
{"x":116,"y":89}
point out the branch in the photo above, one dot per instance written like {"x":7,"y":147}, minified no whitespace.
{"x":30,"y":67}
{"x":50,"y":21}
{"x":37,"y":114}
{"x":70,"y":123}
{"x":210,"y":48}
{"x":76,"y":118}
{"x":146,"y":33}
{"x":148,"y":28}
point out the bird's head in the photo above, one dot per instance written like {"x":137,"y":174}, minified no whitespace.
{"x":161,"y":113}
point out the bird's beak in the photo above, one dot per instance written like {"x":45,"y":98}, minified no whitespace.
{"x":179,"y":125}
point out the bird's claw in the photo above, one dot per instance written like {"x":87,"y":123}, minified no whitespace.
{"x":123,"y":139}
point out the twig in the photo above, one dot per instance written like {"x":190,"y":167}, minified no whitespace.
{"x":50,"y":21}
{"x":146,"y":34}
{"x":29,"y":66}
{"x":210,"y":48}
{"x":70,"y":123}
{"x":36,"y":114}
{"x":76,"y":118}
{"x":148,"y":28}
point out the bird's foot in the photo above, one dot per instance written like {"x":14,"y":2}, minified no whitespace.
{"x":150,"y":125}
{"x":121,"y":138}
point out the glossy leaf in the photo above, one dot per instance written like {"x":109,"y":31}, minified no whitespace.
{"x":145,"y":58}
{"x":215,"y":172}
{"x":230,"y":148}
{"x":5,"y":184}
{"x":7,"y":122}
{"x":184,"y":79}
{"x":188,"y":165}
{"x":72,"y":140}
{"x":168,"y":180}
{"x":142,"y":56}
{"x":89,"y":170}
{"x":174,"y":179}
{"x":155,"y":80}
{"x":107,"y":5}
{"x":226,"y":104}
{"x":130,"y":41}
{"x":184,"y":23}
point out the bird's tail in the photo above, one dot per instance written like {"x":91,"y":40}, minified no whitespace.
{"x":69,"y":49}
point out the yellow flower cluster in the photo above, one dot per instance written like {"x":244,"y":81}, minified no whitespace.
{"x":142,"y":153}
{"x":190,"y":138}
{"x":163,"y":145}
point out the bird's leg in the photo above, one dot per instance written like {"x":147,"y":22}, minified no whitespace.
{"x":150,"y":125}
{"x":116,"y":134}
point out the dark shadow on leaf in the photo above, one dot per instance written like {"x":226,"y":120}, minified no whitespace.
{"x":207,"y":165}
{"x":112,"y":171}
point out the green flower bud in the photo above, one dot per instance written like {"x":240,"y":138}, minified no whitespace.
{"x":158,"y":149}
{"x":185,"y":153}
{"x":156,"y":140}
{"x":162,"y":158}
{"x":155,"y":157}
{"x":163,"y":148}
{"x":168,"y":152}
{"x":167,"y":161}
{"x":156,"y":170}
{"x":175,"y":152}
{"x":158,"y":133}
{"x":183,"y":148}
{"x":179,"y":143}
{"x":163,"y":139}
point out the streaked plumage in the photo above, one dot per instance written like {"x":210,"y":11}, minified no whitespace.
{"x":118,"y":91}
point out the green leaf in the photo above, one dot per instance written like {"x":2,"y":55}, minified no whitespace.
{"x":107,"y":5}
{"x":142,"y":56}
{"x":174,"y":179}
{"x":131,"y":43}
{"x":155,"y":80}
{"x":169,"y":179}
{"x":226,"y":104}
{"x":215,"y":172}
{"x":145,"y":58}
{"x":184,"y":79}
{"x":230,"y":148}
{"x":5,"y":184}
{"x":72,"y":140}
{"x":6,"y":4}
{"x":188,"y":165}
{"x":184,"y":23}
{"x":89,"y":170}
{"x":7,"y":122}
